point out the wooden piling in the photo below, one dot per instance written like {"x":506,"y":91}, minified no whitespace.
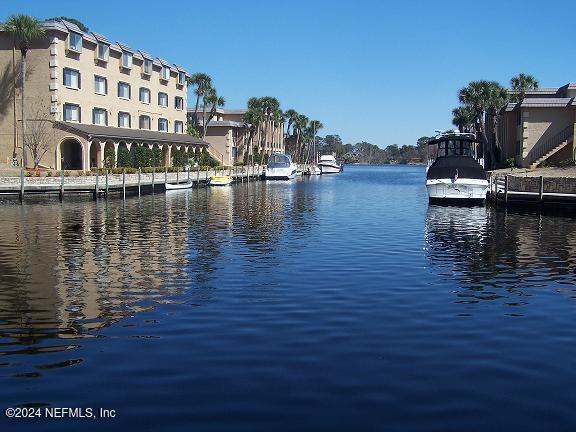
{"x":153,"y":172}
{"x":541,"y":194}
{"x":198,"y":175}
{"x":506,"y":189}
{"x":62,"y":185}
{"x":188,"y":169}
{"x":22,"y":185}
{"x":139,"y":172}
{"x":106,"y":183}
{"x":123,"y":183}
{"x":177,"y":175}
{"x":96,"y":187}
{"x":165,"y":175}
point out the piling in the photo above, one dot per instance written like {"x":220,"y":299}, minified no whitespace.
{"x":153,"y":172}
{"x":165,"y":175}
{"x":177,"y":175}
{"x":106,"y":183}
{"x":506,"y":189}
{"x":96,"y":187}
{"x":139,"y":172}
{"x":198,"y":175}
{"x":207,"y":174}
{"x":62,"y":185}
{"x":188,"y":169}
{"x":22,"y":185}
{"x":541,"y":194}
{"x":123,"y":183}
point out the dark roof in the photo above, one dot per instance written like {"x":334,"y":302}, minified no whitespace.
{"x":101,"y":38}
{"x":546,"y":102}
{"x":129,"y":134}
{"x":125,"y":47}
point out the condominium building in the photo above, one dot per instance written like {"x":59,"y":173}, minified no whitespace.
{"x":229,"y":135}
{"x":98,"y":96}
{"x":539,"y":128}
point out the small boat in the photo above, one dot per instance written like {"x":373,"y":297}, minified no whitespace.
{"x":328,"y":165}
{"x":177,"y":186}
{"x":220,"y":180}
{"x":313,"y":170}
{"x":280,"y":167}
{"x":455,"y":171}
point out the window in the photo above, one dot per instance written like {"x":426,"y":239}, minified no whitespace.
{"x":127,"y":59}
{"x":147,"y":67}
{"x":181,"y":78}
{"x":103,"y":52}
{"x":178,"y":126}
{"x":144,"y":122}
{"x":165,"y":73}
{"x":162,"y":125}
{"x":75,"y":42}
{"x":100,"y":85}
{"x":100,"y":116}
{"x":124,"y":119}
{"x":162,"y":99}
{"x":71,"y":112}
{"x":178,"y":103}
{"x":144,"y":95}
{"x":123,"y":90}
{"x":71,"y":78}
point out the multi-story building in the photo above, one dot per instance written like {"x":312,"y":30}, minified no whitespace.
{"x":98,"y":96}
{"x":229,"y":135}
{"x":539,"y":128}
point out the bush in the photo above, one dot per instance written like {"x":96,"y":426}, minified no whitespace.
{"x":510,"y":163}
{"x":48,"y":173}
{"x":67,"y":173}
{"x":37,"y":174}
{"x":566,"y":163}
{"x":155,"y":157}
{"x":124,"y":157}
{"x":109,"y":156}
{"x":28,"y":173}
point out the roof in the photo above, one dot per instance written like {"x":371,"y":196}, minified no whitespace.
{"x":101,"y":39}
{"x":94,"y":131}
{"x":229,"y":123}
{"x":546,"y":102}
{"x":219,"y":110}
{"x":125,"y":47}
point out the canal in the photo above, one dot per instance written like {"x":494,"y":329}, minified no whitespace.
{"x":329,"y":303}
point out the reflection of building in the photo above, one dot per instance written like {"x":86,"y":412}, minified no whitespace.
{"x":540,"y":127}
{"x":229,"y":135}
{"x":101,"y":96}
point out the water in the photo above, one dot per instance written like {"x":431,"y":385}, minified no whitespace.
{"x":334,"y":303}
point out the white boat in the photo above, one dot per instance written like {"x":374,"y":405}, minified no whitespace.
{"x":177,"y":186}
{"x":328,"y":165}
{"x":313,"y":170}
{"x":455,"y":171}
{"x":280,"y":167}
{"x":220,"y":180}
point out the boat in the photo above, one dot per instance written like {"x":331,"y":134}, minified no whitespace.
{"x":280,"y":167}
{"x":455,"y":171}
{"x":220,"y":180}
{"x":313,"y":170}
{"x":328,"y":165}
{"x":177,"y":186}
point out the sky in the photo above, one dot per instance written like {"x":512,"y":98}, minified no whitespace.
{"x":376,"y":71}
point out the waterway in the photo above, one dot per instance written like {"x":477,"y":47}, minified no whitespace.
{"x":333,"y":303}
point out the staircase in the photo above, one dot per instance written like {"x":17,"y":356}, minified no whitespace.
{"x":543,"y":151}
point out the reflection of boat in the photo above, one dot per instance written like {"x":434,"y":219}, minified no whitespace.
{"x":177,"y":186}
{"x":220,"y":180}
{"x":280,"y":167}
{"x":455,"y":171}
{"x":328,"y":165}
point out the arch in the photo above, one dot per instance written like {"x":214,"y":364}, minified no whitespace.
{"x":71,"y":154}
{"x":166,"y":155}
{"x":95,"y":154}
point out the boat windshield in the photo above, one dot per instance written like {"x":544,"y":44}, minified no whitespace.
{"x":279,"y":161}
{"x":453,"y":147}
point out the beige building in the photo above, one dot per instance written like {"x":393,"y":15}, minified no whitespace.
{"x":97,"y":95}
{"x":229,"y":136}
{"x":539,"y":128}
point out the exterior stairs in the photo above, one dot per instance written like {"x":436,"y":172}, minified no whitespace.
{"x":544,"y":150}
{"x":550,"y":153}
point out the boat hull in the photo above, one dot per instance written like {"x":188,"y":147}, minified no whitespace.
{"x":329,"y":168}
{"x":179,"y":186}
{"x":461,"y":191}
{"x":220,"y":181}
{"x":288,"y":173}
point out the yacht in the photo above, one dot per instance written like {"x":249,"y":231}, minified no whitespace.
{"x":328,"y":165}
{"x":280,"y":167}
{"x":455,"y":171}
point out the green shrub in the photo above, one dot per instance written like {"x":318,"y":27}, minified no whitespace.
{"x":67,"y":173}
{"x":124,"y":157}
{"x":28,"y":173}
{"x":109,"y":156}
{"x":566,"y":163}
{"x":48,"y":173}
{"x":142,"y":157}
{"x":510,"y":163}
{"x":155,"y":157}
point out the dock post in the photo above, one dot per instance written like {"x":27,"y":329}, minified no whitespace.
{"x":124,"y":183}
{"x":207,"y":169}
{"x":506,"y":189}
{"x":165,"y":175}
{"x":21,"y":184}
{"x":96,"y":187}
{"x":541,"y":188}
{"x":139,"y":171}
{"x":198,"y":175}
{"x":188,"y":169}
{"x":106,"y":183}
{"x":153,"y":172}
{"x":177,"y":175}
{"x":62,"y":185}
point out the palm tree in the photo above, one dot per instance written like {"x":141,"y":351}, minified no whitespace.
{"x":252,"y":120}
{"x":210,"y":99}
{"x":521,"y":84}
{"x":314,"y":126}
{"x":290,"y":115}
{"x":463,"y":118}
{"x":300,"y":124}
{"x":25,"y":29}
{"x":203,"y":84}
{"x":482,"y":98}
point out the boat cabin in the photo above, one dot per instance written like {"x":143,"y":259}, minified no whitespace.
{"x":455,"y":144}
{"x":279,"y":161}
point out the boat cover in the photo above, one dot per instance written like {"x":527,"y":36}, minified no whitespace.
{"x":445,"y":167}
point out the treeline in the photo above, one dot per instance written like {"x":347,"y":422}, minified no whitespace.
{"x":367,"y":153}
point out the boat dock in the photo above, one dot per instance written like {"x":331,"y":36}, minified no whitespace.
{"x":120,"y":185}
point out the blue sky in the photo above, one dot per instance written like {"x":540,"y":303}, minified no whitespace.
{"x":369,"y":70}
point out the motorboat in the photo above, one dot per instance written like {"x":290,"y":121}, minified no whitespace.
{"x":455,"y":171}
{"x":280,"y":167}
{"x":313,"y":170}
{"x":178,"y":186}
{"x":220,"y":180}
{"x":328,"y":165}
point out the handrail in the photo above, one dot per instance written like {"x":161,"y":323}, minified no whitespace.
{"x":219,"y":155}
{"x":541,"y":149}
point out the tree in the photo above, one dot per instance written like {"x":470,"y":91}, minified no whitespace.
{"x":313,"y":127}
{"x":39,"y":133}
{"x":520,"y":84}
{"x":290,"y":115}
{"x":80,"y":24}
{"x":212,"y":99}
{"x":463,"y":118}
{"x":252,"y":121}
{"x":300,"y":124}
{"x":25,"y":29}
{"x":203,"y":84}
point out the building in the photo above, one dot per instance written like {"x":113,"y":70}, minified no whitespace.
{"x":97,"y":96}
{"x":229,"y":136}
{"x":539,"y":128}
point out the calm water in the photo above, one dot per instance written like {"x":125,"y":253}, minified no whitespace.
{"x":334,"y":303}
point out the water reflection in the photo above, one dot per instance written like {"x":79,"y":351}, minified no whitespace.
{"x":500,"y":255}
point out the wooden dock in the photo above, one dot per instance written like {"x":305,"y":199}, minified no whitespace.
{"x":104,"y":185}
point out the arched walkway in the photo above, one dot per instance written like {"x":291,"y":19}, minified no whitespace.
{"x":95,"y":154}
{"x":71,"y":154}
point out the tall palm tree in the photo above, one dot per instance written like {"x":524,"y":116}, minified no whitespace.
{"x":314,"y":127}
{"x":289,"y":115}
{"x":300,"y":124}
{"x":463,"y":118}
{"x":214,"y":101}
{"x":520,"y":84}
{"x":25,"y":29}
{"x":203,"y":84}
{"x":252,"y":120}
